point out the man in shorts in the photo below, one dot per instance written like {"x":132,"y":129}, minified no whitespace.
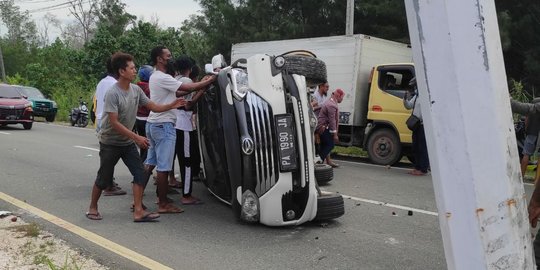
{"x":532,"y":111}
{"x":118,"y":141}
{"x":160,"y":128}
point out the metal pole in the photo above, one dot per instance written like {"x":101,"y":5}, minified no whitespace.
{"x":2,"y":65}
{"x":349,"y":27}
{"x":470,"y":134}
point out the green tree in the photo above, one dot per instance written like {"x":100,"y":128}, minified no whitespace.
{"x":20,"y":28}
{"x":113,"y":16}
{"x":520,"y":35}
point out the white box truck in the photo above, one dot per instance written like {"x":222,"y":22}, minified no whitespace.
{"x":374,"y":74}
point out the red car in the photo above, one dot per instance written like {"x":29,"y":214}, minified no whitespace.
{"x":14,"y":108}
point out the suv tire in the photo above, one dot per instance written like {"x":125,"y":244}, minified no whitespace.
{"x":27,"y":125}
{"x":312,"y":68}
{"x":324,"y":173}
{"x":329,"y":206}
{"x":50,"y":118}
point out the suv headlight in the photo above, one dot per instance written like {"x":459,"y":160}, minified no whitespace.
{"x":250,"y":207}
{"x":54,"y":105}
{"x":240,"y":86}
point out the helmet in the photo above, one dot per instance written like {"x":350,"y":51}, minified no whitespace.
{"x":145,"y":72}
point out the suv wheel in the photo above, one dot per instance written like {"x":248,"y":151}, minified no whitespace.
{"x":50,"y":118}
{"x":329,"y":206}
{"x":324,"y":173}
{"x":312,"y":68}
{"x":27,"y":125}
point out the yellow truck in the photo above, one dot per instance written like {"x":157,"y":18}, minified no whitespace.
{"x":374,"y":73}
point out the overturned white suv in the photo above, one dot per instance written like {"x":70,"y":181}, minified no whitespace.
{"x":255,"y":132}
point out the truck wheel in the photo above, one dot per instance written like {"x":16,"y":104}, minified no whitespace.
{"x":324,"y":173}
{"x":383,"y":147}
{"x":312,"y":68}
{"x":329,"y":206}
{"x":50,"y":118}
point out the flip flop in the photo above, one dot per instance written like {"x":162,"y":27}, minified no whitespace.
{"x":194,"y":202}
{"x":416,"y":173}
{"x":171,"y":209}
{"x":148,"y":217}
{"x":93,"y":216}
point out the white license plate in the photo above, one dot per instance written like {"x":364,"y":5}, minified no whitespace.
{"x":286,"y":142}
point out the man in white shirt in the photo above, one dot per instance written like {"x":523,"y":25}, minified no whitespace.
{"x":319,"y":97}
{"x":160,"y":127}
{"x":101,"y":89}
{"x":185,"y":138}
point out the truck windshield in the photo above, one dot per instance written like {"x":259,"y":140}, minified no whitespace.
{"x":395,"y":82}
{"x":32,"y":92}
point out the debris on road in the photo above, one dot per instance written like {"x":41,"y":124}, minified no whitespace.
{"x":4,"y":214}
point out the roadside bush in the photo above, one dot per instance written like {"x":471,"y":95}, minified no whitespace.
{"x":518,"y":92}
{"x":17,"y":79}
{"x":67,"y":97}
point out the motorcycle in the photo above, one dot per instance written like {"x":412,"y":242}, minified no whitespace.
{"x":79,"y":115}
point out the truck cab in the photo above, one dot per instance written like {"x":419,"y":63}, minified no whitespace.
{"x":387,"y":137}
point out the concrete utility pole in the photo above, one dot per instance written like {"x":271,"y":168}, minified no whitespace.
{"x":470,"y":134}
{"x":349,"y":27}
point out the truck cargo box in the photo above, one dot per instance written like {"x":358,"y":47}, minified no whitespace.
{"x":349,"y":60}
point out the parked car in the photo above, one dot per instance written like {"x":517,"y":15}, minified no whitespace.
{"x":255,"y":131}
{"x":14,"y":108}
{"x":41,"y":105}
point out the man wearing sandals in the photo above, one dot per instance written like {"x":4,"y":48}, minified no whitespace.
{"x":160,"y":126}
{"x":117,"y":140}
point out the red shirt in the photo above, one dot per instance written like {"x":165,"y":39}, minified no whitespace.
{"x":328,"y":115}
{"x":143,"y":111}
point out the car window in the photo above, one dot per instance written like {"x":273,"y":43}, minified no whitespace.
{"x":32,"y":92}
{"x":8,"y":91}
{"x":395,"y":81}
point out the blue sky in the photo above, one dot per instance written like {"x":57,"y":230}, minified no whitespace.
{"x":168,"y":12}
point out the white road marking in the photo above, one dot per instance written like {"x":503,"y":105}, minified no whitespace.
{"x":386,"y":204}
{"x":5,"y":133}
{"x":87,"y":148}
{"x":372,"y":165}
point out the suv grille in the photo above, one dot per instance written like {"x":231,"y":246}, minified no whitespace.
{"x":261,"y":129}
{"x":8,"y":112}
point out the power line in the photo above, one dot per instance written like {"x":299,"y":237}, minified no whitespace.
{"x":57,"y":6}
{"x":63,"y":5}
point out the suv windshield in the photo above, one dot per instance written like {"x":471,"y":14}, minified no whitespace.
{"x":8,"y":91}
{"x":31,"y":92}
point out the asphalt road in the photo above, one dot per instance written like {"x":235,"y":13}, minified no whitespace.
{"x":52,"y":168}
